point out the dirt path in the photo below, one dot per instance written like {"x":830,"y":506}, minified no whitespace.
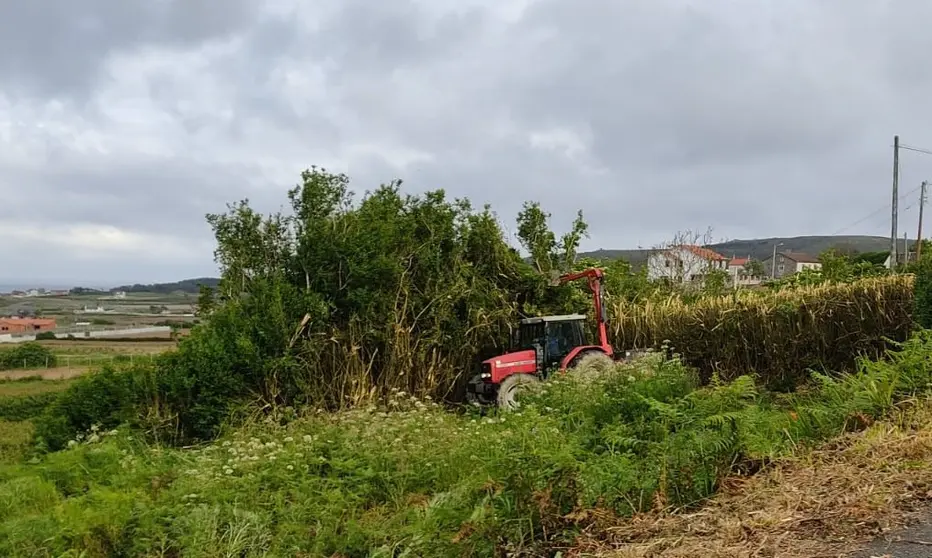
{"x":103,"y":346}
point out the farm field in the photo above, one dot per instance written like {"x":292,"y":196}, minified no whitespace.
{"x":136,"y":309}
{"x":69,"y":359}
{"x":68,"y":347}
{"x":22,"y":398}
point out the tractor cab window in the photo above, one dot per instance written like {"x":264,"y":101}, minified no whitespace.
{"x":563,"y":337}
{"x":530,"y":335}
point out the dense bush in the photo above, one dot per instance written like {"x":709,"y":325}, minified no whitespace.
{"x":107,"y":398}
{"x":923,"y":292}
{"x":25,"y":407}
{"x":27,"y":355}
{"x":779,"y":336}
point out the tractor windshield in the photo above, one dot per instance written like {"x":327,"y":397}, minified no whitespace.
{"x":563,"y":337}
{"x":529,"y":335}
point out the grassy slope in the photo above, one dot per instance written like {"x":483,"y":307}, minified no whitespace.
{"x":21,"y":400}
{"x":591,"y":449}
{"x":826,"y":502}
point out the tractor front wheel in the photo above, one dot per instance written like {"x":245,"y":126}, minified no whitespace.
{"x":512,"y":386}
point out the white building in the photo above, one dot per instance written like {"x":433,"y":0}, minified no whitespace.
{"x":685,"y":263}
{"x":738,"y":274}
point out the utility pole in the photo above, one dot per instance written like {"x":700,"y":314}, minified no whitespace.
{"x":773,"y":264}
{"x":905,"y":250}
{"x":922,"y":202}
{"x":894,"y":208}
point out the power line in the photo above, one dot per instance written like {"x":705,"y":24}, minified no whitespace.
{"x":882,"y":208}
{"x":916,"y":149}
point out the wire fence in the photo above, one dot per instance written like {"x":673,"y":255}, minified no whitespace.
{"x":80,"y":361}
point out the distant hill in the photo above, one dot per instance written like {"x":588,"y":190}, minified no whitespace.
{"x":186,"y":286}
{"x":762,"y":248}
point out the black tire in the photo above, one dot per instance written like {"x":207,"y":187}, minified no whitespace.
{"x":511,"y":387}
{"x":585,"y":354}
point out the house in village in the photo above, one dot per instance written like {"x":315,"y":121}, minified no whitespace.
{"x":738,"y":272}
{"x":788,"y":263}
{"x":685,"y":263}
{"x":26,"y":325}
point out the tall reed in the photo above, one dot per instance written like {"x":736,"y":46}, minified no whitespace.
{"x":776,"y":335}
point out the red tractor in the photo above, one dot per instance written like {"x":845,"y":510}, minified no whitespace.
{"x":540,"y":347}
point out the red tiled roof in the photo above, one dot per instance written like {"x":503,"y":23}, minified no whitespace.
{"x":28,"y":321}
{"x":703,"y":253}
{"x":738,"y":261}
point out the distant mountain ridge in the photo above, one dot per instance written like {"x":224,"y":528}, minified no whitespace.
{"x":762,"y":248}
{"x":758,"y":249}
{"x":185,"y":286}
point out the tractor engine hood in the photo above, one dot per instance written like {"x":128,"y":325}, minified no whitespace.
{"x":502,"y":366}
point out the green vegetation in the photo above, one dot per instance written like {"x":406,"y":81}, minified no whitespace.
{"x":27,"y":355}
{"x":305,"y":414}
{"x":15,"y":441}
{"x":408,"y":478}
{"x":191,"y":286}
{"x":27,"y":398}
{"x":923,"y":293}
{"x":340,"y":302}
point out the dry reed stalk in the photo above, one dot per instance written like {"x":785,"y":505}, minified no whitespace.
{"x":777,"y":335}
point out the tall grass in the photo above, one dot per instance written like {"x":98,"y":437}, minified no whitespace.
{"x":779,"y":335}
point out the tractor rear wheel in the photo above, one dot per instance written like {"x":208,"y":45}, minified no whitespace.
{"x":595,"y":357}
{"x":513,"y":386}
{"x":594,"y":364}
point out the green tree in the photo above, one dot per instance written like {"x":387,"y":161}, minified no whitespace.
{"x":922,"y":289}
{"x":205,"y":301}
{"x":715,"y":282}
{"x":547,"y":253}
{"x":754,"y":268}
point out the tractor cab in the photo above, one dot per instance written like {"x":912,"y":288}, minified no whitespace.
{"x":551,"y":337}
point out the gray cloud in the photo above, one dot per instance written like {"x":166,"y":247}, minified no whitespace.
{"x":123,"y":123}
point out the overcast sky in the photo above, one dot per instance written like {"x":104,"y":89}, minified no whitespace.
{"x":122,"y":122}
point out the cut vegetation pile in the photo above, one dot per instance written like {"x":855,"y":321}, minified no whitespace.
{"x":780,"y":335}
